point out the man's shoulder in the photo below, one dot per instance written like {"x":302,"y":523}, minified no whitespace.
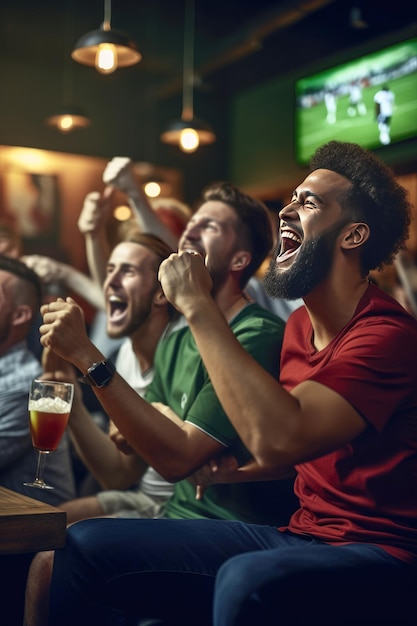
{"x":254,"y":314}
{"x":18,"y":367}
{"x":175,"y":333}
{"x":177,"y":323}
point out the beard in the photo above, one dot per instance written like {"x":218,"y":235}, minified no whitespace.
{"x":219,"y":278}
{"x":310,"y":268}
{"x":219,"y":272}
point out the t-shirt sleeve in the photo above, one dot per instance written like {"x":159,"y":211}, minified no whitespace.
{"x":371,"y":369}
{"x":262,"y":338}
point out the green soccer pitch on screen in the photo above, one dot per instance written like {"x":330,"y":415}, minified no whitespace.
{"x":371,"y":100}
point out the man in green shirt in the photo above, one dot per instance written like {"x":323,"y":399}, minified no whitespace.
{"x":182,"y":383}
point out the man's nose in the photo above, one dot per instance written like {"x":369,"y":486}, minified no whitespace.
{"x":287,"y":212}
{"x":192,"y":232}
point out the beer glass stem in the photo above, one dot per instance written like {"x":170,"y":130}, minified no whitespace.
{"x":41,"y":465}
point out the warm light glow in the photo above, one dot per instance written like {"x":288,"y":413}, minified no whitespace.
{"x":189,"y":140}
{"x":30,"y":158}
{"x":106,"y":58}
{"x":66,"y":124}
{"x":152,"y":189}
{"x":122,"y":213}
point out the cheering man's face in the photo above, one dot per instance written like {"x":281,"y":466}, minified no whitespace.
{"x":309,"y":229}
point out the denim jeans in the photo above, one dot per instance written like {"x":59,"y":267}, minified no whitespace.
{"x":121,"y":571}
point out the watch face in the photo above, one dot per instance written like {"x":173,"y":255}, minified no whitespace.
{"x":101,"y":373}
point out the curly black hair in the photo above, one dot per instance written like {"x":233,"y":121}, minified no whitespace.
{"x":375,"y":198}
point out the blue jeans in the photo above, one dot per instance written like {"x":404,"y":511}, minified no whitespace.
{"x":119,"y":571}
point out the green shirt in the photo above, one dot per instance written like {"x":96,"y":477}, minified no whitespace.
{"x":181,"y":382}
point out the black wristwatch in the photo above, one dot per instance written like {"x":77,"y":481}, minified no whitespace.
{"x":99,"y":374}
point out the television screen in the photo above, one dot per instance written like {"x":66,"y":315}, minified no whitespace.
{"x":371,"y":100}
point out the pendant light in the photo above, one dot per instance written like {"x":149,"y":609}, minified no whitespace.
{"x":189,"y":132}
{"x":68,"y":117}
{"x":106,"y":49}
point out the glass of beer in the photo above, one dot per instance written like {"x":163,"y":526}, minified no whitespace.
{"x":50,"y":405}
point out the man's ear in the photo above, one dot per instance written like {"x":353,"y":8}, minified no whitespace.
{"x":240,"y":260}
{"x":22,"y":314}
{"x":159,"y":298}
{"x":355,"y":235}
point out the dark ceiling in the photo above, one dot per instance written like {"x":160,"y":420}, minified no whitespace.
{"x":232,"y":37}
{"x":238,"y":44}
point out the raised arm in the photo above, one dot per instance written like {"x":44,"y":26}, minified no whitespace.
{"x":92,"y":224}
{"x":107,"y":463}
{"x":119,"y":173}
{"x":50,"y":270}
{"x":110,"y":467}
{"x":175,"y":449}
{"x":279,"y":428}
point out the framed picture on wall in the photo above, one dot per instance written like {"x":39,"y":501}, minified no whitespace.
{"x":33,"y":202}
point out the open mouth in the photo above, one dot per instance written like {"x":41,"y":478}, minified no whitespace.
{"x":290,"y":243}
{"x":116,"y":307}
{"x":193,"y":249}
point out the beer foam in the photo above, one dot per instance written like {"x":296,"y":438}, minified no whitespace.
{"x":50,"y":405}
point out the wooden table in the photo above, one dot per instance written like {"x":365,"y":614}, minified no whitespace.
{"x":28,"y":525}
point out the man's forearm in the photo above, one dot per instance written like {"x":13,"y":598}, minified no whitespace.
{"x":99,"y":454}
{"x":85,"y":286}
{"x":163,"y":443}
{"x":97,"y":252}
{"x":253,"y":400}
{"x":149,"y":221}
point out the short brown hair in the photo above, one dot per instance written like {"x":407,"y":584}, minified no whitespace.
{"x":254,"y":221}
{"x":24,"y":273}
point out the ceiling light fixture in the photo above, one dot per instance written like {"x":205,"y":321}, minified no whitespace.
{"x":68,"y":117}
{"x":106,"y":49}
{"x":189,"y":132}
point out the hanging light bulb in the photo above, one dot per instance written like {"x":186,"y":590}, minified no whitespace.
{"x":106,"y":58}
{"x":189,"y":140}
{"x":69,"y":117}
{"x":66,"y":123}
{"x":189,"y":132}
{"x":106,"y":49}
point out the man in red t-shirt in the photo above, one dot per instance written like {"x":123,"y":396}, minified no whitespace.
{"x":344,"y":414}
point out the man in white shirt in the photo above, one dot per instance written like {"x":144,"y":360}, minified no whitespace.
{"x":137,"y":311}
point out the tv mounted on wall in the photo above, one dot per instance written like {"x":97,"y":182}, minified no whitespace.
{"x":371,"y":100}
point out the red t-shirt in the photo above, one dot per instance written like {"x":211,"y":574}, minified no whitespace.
{"x":367,"y":490}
